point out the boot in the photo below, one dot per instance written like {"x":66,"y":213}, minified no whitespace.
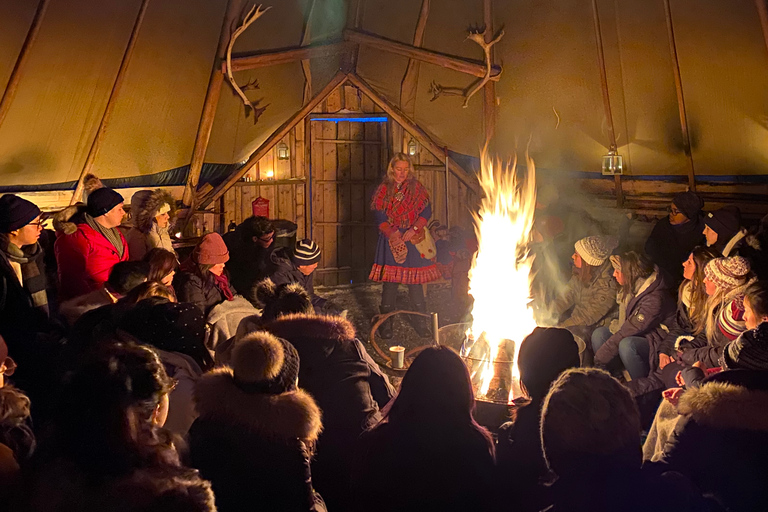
{"x":420,"y":324}
{"x":385,"y":329}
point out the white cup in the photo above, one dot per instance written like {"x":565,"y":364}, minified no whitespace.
{"x":398,"y":356}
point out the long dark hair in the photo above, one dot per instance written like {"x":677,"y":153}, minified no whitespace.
{"x":757,"y":295}
{"x":436,"y":390}
{"x":634,"y":266}
{"x":161,"y":263}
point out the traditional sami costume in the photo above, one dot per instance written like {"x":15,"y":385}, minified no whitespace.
{"x":407,"y":207}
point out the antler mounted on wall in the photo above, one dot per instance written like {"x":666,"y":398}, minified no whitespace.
{"x":253,"y":14}
{"x":477,"y":36}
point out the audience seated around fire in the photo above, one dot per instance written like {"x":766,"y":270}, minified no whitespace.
{"x":428,"y":452}
{"x":674,"y":237}
{"x":162,"y":267}
{"x":88,"y":243}
{"x":203,"y":279}
{"x":152,"y":212}
{"x":250,"y":245}
{"x":589,"y":298}
{"x":105,"y":446}
{"x":347,"y":384}
{"x":522,"y":470}
{"x":645,"y":300}
{"x":723,"y":230}
{"x":257,"y":430}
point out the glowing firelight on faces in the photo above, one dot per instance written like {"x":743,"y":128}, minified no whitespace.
{"x":499,"y":280}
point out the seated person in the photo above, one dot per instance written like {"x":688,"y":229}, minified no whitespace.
{"x":723,"y":230}
{"x":203,"y":279}
{"x":250,"y":246}
{"x":298,"y":267}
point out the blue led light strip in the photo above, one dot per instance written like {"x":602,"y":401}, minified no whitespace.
{"x":352,"y":119}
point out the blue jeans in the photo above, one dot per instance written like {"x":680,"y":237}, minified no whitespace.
{"x":633,"y":351}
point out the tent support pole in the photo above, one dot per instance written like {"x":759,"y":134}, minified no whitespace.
{"x":606,"y":99}
{"x":680,"y":98}
{"x":762,"y":11}
{"x":489,"y":89}
{"x":116,"y":86}
{"x":212,"y":95}
{"x":15,"y":78}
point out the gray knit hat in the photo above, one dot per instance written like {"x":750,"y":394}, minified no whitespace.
{"x":306,"y":252}
{"x":594,"y":250}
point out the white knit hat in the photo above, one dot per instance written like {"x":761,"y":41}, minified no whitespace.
{"x":594,"y":250}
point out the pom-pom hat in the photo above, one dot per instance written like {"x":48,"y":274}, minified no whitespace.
{"x":102,"y":200}
{"x":263,"y":363}
{"x":727,"y":273}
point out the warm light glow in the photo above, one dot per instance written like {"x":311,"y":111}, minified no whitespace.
{"x":499,"y":280}
{"x":270,"y":174}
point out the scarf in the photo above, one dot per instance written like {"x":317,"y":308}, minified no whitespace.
{"x":405,"y":205}
{"x":32,"y":270}
{"x":221,"y":282}
{"x":112,"y":235}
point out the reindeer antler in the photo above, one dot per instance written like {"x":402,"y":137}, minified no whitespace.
{"x":253,"y":14}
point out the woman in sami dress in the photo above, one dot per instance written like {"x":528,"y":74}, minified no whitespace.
{"x":401,"y":208}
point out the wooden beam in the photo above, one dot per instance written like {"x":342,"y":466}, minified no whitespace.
{"x":606,"y":98}
{"x":762,"y":12}
{"x":105,"y":118}
{"x":271,"y":58}
{"x":305,"y":64}
{"x":212,"y":95}
{"x":680,"y":98}
{"x":273,"y":139}
{"x":462,"y":65}
{"x":489,"y":90}
{"x":21,"y":60}
{"x":415,"y":130}
{"x":411,"y":77}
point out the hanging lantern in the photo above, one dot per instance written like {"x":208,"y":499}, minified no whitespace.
{"x":412,"y":148}
{"x":613,"y":163}
{"x":282,"y":151}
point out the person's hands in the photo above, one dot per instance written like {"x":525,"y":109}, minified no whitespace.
{"x":408,"y":235}
{"x":672,"y":395}
{"x":395,"y":235}
{"x":699,"y":364}
{"x":664,"y":360}
{"x":679,"y":379}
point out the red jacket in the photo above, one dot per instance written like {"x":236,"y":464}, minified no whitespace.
{"x":85,"y":258}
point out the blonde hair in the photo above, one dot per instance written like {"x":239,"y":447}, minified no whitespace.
{"x":389,"y":177}
{"x":697,"y":309}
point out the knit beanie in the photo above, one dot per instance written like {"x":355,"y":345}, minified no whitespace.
{"x":726,"y":222}
{"x":689,"y":204}
{"x":595,"y":249}
{"x":16,"y":212}
{"x":543,"y":356}
{"x":727,"y":273}
{"x":279,"y":300}
{"x":263,"y":363}
{"x":749,"y":351}
{"x":211,"y":250}
{"x":588,"y":414}
{"x":306,"y":252}
{"x":102,"y":200}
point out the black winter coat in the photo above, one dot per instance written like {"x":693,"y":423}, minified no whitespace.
{"x":192,"y":288}
{"x":284,"y":271}
{"x":248,"y":262}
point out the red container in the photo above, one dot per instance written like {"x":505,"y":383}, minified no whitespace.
{"x":260,"y":207}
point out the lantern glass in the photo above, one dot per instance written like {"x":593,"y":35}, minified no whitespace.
{"x":412,"y":148}
{"x":613,"y":164}
{"x":282,"y":151}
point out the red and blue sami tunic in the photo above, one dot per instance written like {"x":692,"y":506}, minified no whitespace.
{"x":407,"y":206}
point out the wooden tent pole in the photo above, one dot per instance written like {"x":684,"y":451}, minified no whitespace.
{"x":305,"y":67}
{"x":273,"y":139}
{"x":116,"y":86}
{"x":489,"y":89}
{"x":411,"y":77}
{"x":606,"y":99}
{"x":762,"y":11}
{"x":210,"y":103}
{"x":680,"y":99}
{"x":15,"y":78}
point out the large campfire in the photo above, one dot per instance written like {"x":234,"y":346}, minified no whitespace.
{"x":500,"y":279}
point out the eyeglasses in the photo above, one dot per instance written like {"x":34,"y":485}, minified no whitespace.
{"x":673,"y":210}
{"x":267,"y":237}
{"x":39,"y":223}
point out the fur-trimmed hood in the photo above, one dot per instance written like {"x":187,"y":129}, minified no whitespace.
{"x":66,"y":221}
{"x":726,"y":406}
{"x":145,"y":205}
{"x":285,"y":416}
{"x":327,"y":328}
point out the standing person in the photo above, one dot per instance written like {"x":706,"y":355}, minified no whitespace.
{"x":250,"y":244}
{"x":428,"y":449}
{"x":674,"y":237}
{"x":402,"y":210}
{"x":590,"y":295}
{"x":299,"y":268}
{"x":151,"y":215}
{"x":202,"y":279}
{"x":723,"y":230}
{"x":645,"y":299}
{"x":91,"y":244}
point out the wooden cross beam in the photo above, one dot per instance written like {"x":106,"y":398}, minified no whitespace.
{"x":271,"y":58}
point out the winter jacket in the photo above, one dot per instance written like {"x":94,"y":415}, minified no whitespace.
{"x":591,"y":303}
{"x":720,"y":441}
{"x":192,"y":288}
{"x":73,"y":309}
{"x":669,"y":246}
{"x":185,"y":372}
{"x":224,"y":319}
{"x":142,"y":232}
{"x":84,"y":256}
{"x":284,"y":271}
{"x":349,"y":388}
{"x":248,"y":262}
{"x":254,"y":447}
{"x":423,"y":469}
{"x":651,"y":303}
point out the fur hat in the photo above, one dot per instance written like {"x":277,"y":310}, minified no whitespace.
{"x":595,"y":249}
{"x":689,"y":203}
{"x":16,"y":212}
{"x":276,"y":301}
{"x":726,"y":222}
{"x":543,"y":356}
{"x":306,"y":252}
{"x":102,"y":200}
{"x":263,"y":363}
{"x":148,"y":204}
{"x":211,"y":250}
{"x":749,"y":351}
{"x":727,"y":273}
{"x":91,"y":183}
{"x":588,"y":414}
